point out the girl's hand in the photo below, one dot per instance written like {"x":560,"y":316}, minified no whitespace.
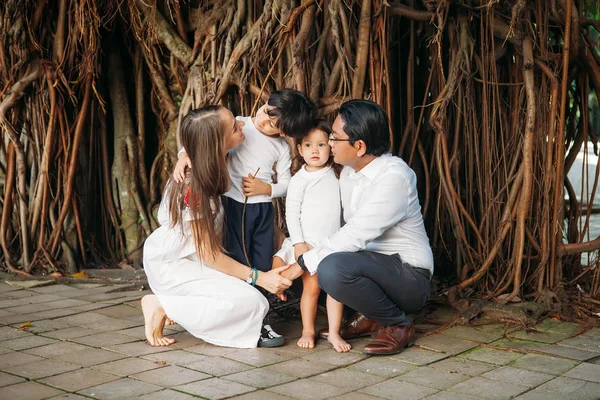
{"x":254,"y":186}
{"x":183,"y":162}
{"x":273,"y":281}
{"x":299,"y":249}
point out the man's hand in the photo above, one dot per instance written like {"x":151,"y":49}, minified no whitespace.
{"x":254,"y":186}
{"x":299,"y":249}
{"x":183,"y":162}
{"x":293,"y":272}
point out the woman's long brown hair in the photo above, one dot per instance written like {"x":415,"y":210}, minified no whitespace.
{"x":202,"y":136}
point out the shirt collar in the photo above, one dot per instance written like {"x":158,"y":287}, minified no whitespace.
{"x":374,"y":168}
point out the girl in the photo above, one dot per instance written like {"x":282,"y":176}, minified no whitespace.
{"x":193,"y":280}
{"x":313,"y":213}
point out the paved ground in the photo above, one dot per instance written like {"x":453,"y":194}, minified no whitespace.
{"x":86,"y":340}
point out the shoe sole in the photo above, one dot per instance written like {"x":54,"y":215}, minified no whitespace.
{"x":372,"y":334}
{"x":272,"y":343}
{"x":377,"y":353}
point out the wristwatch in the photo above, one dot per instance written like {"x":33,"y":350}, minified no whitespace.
{"x":301,"y":263}
{"x":250,"y":277}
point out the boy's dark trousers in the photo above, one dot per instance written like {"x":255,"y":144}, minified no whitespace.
{"x":258,"y":233}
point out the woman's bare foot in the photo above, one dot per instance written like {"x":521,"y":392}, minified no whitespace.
{"x":307,"y":340}
{"x":339,"y":344}
{"x":169,"y":321}
{"x":154,"y":321}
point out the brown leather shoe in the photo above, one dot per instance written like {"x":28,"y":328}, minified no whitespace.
{"x":391,"y":340}
{"x":355,"y":327}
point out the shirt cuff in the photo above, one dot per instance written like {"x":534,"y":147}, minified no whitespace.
{"x":311,"y":260}
{"x":296,"y":239}
{"x":180,"y":152}
{"x":278,"y":190}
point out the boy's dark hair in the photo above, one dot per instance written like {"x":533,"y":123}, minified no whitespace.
{"x":295,"y":112}
{"x":365,"y":120}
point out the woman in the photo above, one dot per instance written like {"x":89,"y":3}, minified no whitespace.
{"x":194,"y":282}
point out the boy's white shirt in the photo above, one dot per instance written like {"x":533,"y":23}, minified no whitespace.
{"x":258,"y":151}
{"x":313,"y":206}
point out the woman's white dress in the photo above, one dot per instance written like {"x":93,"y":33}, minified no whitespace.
{"x":211,"y":305}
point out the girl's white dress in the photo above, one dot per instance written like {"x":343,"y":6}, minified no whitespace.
{"x":211,"y":305}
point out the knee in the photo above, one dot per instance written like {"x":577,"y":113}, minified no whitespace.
{"x":333,"y":271}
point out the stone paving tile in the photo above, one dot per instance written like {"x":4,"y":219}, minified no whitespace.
{"x":537,"y":336}
{"x":593,"y":333}
{"x":69,"y":396}
{"x":4,"y":350}
{"x":7,"y":333}
{"x":544,"y":364}
{"x":509,"y":343}
{"x":47,"y":325}
{"x":127,"y":366}
{"x":38,"y":298}
{"x":418,"y":356}
{"x":463,"y":366}
{"x":433,"y":377}
{"x":491,"y":356}
{"x":384,"y":367}
{"x":258,"y":357}
{"x":122,"y":311}
{"x":481,"y":334}
{"x":90,"y":356}
{"x":586,"y":372}
{"x":7,"y":379}
{"x":346,"y":378}
{"x":540,"y":395}
{"x":29,"y":308}
{"x":103,"y":339}
{"x":52,"y":289}
{"x":136,"y":332}
{"x":6,"y":288}
{"x":69,"y":333}
{"x":136,"y":349}
{"x":124,"y":388}
{"x":308,"y":389}
{"x":569,"y":352}
{"x":587,"y":343}
{"x":301,"y":368}
{"x":74,"y":381}
{"x":217,"y":366}
{"x":572,"y":387}
{"x":489,"y":389}
{"x":29,"y":391}
{"x":90,"y":307}
{"x":17,"y":358}
{"x":330,"y":356}
{"x":260,"y":378}
{"x":66,"y":303}
{"x":27,"y":342}
{"x":261,"y":395}
{"x":215,"y":388}
{"x":174,"y":357}
{"x":41,"y":369}
{"x":56,"y":349}
{"x":355,"y":396}
{"x":446,"y":395}
{"x":98,"y":322}
{"x":170,"y":376}
{"x":210,"y":350}
{"x":521,"y":377}
{"x":166,"y":394}
{"x":445,"y":344}
{"x":17,"y":319}
{"x":557,"y":326}
{"x":397,"y":389}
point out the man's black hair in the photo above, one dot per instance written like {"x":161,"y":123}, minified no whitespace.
{"x":296,"y":113}
{"x":366,"y":121}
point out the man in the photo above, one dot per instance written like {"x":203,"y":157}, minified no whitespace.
{"x":380,"y":262}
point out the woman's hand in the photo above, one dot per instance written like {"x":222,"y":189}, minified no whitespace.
{"x":183,"y":162}
{"x":254,"y":186}
{"x":273,"y":281}
{"x":299,"y":249}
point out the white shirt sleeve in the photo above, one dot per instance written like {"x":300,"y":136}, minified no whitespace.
{"x":383,"y":204}
{"x":293,"y":203}
{"x":284,"y":163}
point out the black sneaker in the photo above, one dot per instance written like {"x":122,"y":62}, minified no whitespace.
{"x":269,"y":338}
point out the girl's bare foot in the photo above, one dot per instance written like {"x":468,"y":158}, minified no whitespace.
{"x":154,"y":321}
{"x":307,"y":340}
{"x":339,"y":344}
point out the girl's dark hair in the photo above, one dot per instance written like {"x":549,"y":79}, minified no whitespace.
{"x":295,"y":112}
{"x":365,"y":120}
{"x":202,"y":136}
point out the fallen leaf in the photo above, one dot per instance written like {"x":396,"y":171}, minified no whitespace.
{"x":25,"y":325}
{"x":161,"y":362}
{"x":55,"y":275}
{"x":81,"y":274}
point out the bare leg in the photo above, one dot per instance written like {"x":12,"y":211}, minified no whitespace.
{"x":154,"y":321}
{"x":308,"y":310}
{"x":335,"y":310}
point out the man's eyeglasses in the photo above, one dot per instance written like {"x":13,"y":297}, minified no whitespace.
{"x":334,"y":139}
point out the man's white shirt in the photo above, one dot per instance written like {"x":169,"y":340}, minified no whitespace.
{"x":382,"y":214}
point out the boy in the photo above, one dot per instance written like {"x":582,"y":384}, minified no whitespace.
{"x":287,"y":112}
